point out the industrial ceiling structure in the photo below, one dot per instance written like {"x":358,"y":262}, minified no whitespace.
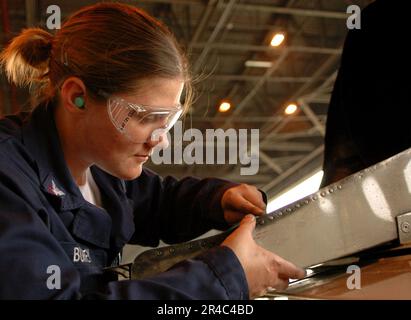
{"x":228,"y":42}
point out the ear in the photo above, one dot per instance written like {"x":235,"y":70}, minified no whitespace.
{"x":71,"y":89}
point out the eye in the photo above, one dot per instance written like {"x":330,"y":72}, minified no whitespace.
{"x":154,"y":118}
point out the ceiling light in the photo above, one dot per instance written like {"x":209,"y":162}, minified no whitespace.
{"x":258,"y":64}
{"x":291,"y":108}
{"x":277,"y":39}
{"x":224,"y":107}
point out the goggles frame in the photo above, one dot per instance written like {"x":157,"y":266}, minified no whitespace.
{"x":117,"y":105}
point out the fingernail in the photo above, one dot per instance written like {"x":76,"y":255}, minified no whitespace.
{"x":250,"y":217}
{"x":304,"y":272}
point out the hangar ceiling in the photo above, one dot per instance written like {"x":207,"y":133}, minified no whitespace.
{"x":224,"y":38}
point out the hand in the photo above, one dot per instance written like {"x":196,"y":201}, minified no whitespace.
{"x":263,"y":269}
{"x":242,"y":200}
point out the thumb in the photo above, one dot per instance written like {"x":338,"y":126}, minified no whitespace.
{"x":248,"y":222}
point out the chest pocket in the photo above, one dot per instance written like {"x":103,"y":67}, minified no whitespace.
{"x":93,"y":225}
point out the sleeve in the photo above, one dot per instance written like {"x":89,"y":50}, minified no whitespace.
{"x":28,"y":250}
{"x":175,"y":210}
{"x":215,"y":275}
{"x":33,"y":262}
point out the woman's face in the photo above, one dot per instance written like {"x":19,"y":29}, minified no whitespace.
{"x":114,"y":151}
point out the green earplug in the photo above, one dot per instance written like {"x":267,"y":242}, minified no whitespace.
{"x":79,"y":102}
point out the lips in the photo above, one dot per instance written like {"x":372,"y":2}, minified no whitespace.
{"x":141,"y":157}
{"x":148,"y":154}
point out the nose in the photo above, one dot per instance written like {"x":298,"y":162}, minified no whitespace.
{"x":159,"y":140}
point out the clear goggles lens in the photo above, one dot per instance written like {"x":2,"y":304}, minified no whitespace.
{"x":141,"y":123}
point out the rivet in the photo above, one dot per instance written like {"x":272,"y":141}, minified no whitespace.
{"x":405,"y":227}
{"x":322,"y":194}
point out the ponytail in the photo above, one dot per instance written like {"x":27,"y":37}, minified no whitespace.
{"x":26,"y":58}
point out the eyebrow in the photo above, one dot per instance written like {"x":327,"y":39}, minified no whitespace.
{"x":170,"y":108}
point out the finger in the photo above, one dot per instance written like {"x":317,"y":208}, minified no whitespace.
{"x":244,"y":206}
{"x":280,"y":284}
{"x":232,"y":216}
{"x":238,"y":201}
{"x":259,"y":294}
{"x":248,"y":223}
{"x":287,"y":269}
{"x":247,"y":207}
{"x":255,"y":197}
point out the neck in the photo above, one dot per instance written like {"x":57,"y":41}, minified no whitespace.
{"x":72,"y":146}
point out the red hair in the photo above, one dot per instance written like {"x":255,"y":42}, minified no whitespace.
{"x":110,"y":46}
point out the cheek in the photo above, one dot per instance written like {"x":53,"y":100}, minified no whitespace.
{"x":113,"y":145}
{"x":112,"y":151}
{"x":115,"y":155}
{"x":104,"y":141}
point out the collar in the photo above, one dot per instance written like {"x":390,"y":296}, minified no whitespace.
{"x":41,"y":138}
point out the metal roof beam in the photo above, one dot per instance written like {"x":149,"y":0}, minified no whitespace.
{"x":220,"y":25}
{"x":289,"y":146}
{"x":252,"y":119}
{"x":332,"y":60}
{"x":204,"y":20}
{"x":257,"y":86}
{"x":311,"y":156}
{"x":245,"y":47}
{"x":245,"y":77}
{"x":265,"y":9}
{"x":31,"y":12}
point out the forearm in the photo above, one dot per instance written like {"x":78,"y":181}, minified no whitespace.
{"x":176,"y":210}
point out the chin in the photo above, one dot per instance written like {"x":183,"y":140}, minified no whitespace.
{"x":131,"y":173}
{"x":126,"y":173}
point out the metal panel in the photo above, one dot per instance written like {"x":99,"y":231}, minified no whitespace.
{"x":354,"y":214}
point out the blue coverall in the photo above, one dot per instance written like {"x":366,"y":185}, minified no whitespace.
{"x":45,"y":221}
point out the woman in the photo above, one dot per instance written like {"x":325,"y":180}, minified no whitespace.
{"x":73,"y":190}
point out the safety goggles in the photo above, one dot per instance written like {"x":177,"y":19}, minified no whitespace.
{"x":141,"y":123}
